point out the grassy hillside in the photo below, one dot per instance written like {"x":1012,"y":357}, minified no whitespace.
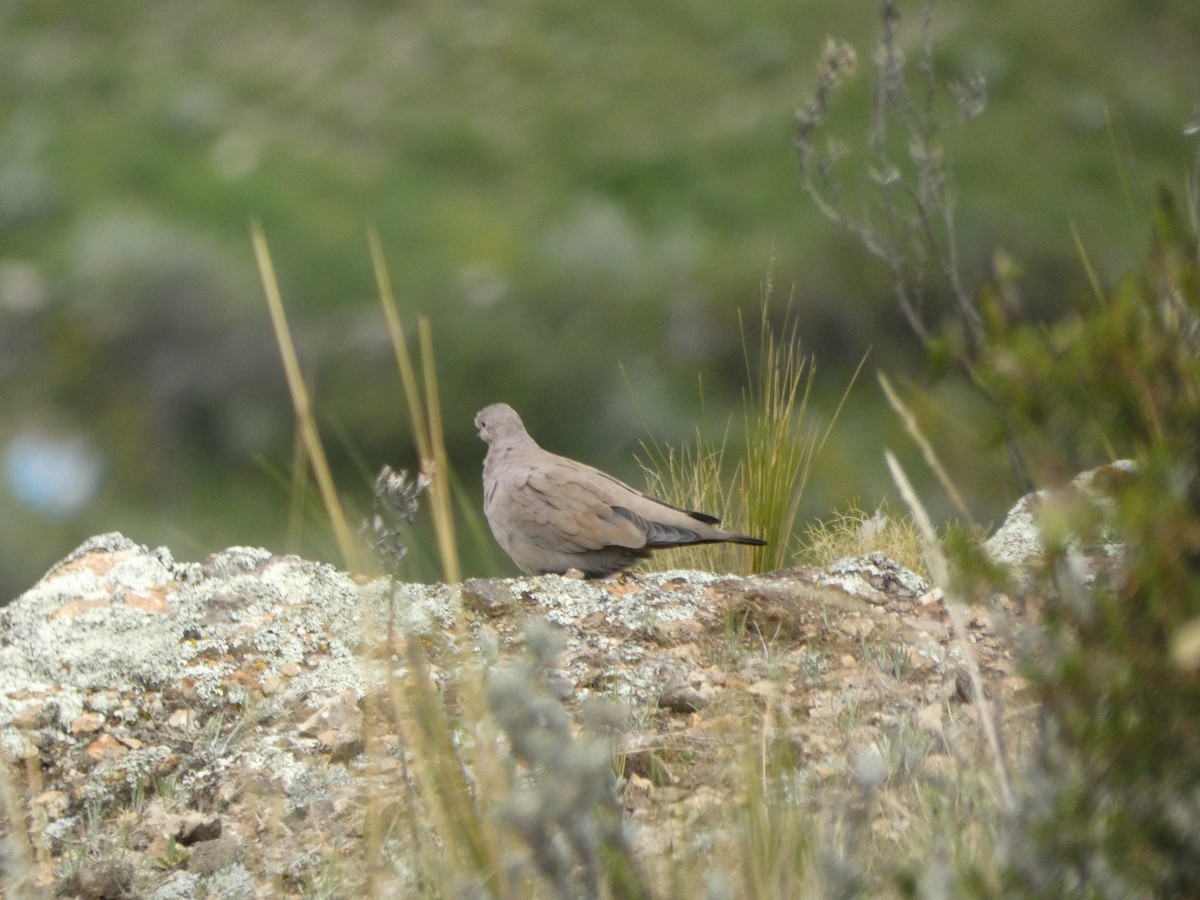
{"x":579,"y":197}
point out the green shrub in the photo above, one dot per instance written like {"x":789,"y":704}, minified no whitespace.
{"x":1114,"y":805}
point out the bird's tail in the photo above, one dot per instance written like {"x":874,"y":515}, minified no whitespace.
{"x":745,"y":539}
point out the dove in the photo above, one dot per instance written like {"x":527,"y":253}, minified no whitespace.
{"x":553,"y":514}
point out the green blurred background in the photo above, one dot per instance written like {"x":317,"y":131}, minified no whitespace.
{"x":579,"y":196}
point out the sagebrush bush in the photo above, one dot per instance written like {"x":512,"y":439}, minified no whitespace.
{"x":1114,"y":806}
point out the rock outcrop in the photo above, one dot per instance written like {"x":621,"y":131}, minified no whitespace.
{"x":218,"y":715}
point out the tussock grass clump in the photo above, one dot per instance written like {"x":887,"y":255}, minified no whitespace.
{"x":781,"y":442}
{"x":763,"y":493}
{"x":855,"y":532}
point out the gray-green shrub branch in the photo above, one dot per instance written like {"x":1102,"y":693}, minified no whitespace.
{"x":913,"y":223}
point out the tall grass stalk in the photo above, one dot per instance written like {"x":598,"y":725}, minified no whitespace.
{"x":348,"y":545}
{"x":930,"y":455}
{"x":424,"y":410}
{"x":458,"y":775}
{"x":939,"y":570}
{"x":17,"y":877}
{"x":444,"y":746}
{"x":780,"y":444}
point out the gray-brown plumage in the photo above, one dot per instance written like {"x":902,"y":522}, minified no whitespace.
{"x":552,"y":514}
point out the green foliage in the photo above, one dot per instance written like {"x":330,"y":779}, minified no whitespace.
{"x":567,"y":811}
{"x":1115,"y":806}
{"x":1116,"y":378}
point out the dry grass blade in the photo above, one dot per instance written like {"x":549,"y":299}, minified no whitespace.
{"x":16,"y":849}
{"x":927,"y":451}
{"x":443,"y":508}
{"x":466,"y":837}
{"x":424,"y":414}
{"x":302,"y":403}
{"x":856,"y":532}
{"x":939,"y":570}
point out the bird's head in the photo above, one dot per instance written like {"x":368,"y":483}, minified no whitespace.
{"x":498,"y":421}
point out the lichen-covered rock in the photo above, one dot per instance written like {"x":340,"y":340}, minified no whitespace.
{"x":1019,"y":543}
{"x":219,"y":720}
